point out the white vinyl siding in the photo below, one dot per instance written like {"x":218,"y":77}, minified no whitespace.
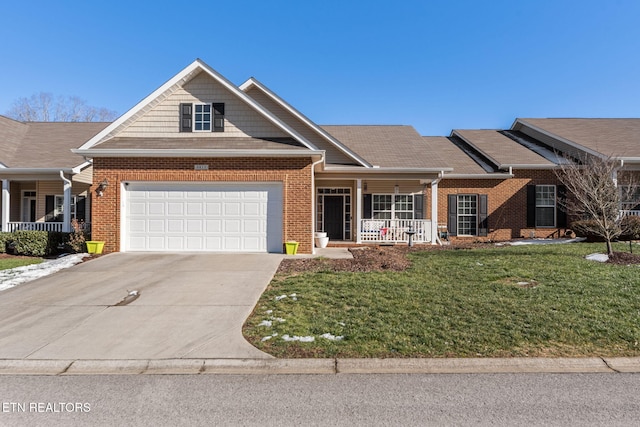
{"x":161,"y":118}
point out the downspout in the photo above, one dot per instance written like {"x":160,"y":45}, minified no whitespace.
{"x":435,"y":239}
{"x":6,"y":200}
{"x":313,"y":203}
{"x":66,"y":207}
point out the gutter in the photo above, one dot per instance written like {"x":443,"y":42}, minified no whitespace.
{"x":510,"y":167}
{"x":378,"y":170}
{"x":136,"y":152}
{"x":478,"y":176}
{"x":36,"y":171}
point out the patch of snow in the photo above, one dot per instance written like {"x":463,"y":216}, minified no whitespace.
{"x":280,"y":297}
{"x":266,"y":338}
{"x":598,"y":257}
{"x":279,"y":319}
{"x":330,"y":337}
{"x":266,"y":323}
{"x":297,"y":338}
{"x":269,"y":311}
{"x":545,"y":241}
{"x":19,"y":275}
{"x":523,"y":283}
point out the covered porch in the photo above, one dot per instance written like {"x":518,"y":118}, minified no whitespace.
{"x":45,"y":199}
{"x":385,"y":207}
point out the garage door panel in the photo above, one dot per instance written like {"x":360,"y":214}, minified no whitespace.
{"x":155,"y":226}
{"x":231,"y":209}
{"x":213,"y":226}
{"x":175,"y":226}
{"x":195,"y":225}
{"x":203,"y":217}
{"x":231,"y":226}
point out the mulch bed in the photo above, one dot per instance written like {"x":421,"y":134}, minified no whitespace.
{"x":394,"y":258}
{"x":624,"y":258}
{"x":365,"y":259}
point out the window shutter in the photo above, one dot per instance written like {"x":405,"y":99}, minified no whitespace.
{"x":483,"y":215}
{"x":81,"y":209}
{"x":452,"y":209}
{"x":561,"y":213}
{"x":531,"y":205}
{"x":418,"y":206}
{"x":186,"y":117}
{"x":49,"y":206}
{"x":218,"y":117}
{"x":366,"y":206}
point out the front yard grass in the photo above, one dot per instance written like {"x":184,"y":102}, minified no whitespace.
{"x":537,"y":300}
{"x":9,"y":261}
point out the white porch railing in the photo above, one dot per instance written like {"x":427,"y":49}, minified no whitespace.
{"x":395,"y":230}
{"x":630,"y":213}
{"x":43,"y":226}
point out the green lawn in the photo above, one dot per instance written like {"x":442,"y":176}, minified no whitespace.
{"x":18,"y":261}
{"x":495,"y":302}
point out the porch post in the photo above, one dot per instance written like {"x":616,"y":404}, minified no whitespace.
{"x":6,"y":200}
{"x":66,"y":207}
{"x":358,"y":209}
{"x":434,"y":211}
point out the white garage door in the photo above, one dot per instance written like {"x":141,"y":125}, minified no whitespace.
{"x":197,"y":217}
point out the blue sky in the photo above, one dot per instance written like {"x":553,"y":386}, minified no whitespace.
{"x":434,"y":64}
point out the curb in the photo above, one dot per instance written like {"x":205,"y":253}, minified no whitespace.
{"x":318,"y":366}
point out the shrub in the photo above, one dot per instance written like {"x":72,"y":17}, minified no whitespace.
{"x":31,"y":243}
{"x":631,"y":227}
{"x":75,"y":241}
{"x":583,"y":228}
{"x":5,"y":238}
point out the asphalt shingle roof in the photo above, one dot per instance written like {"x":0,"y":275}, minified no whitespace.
{"x":610,"y":137}
{"x":501,"y":149}
{"x":44,"y":144}
{"x":392,"y":146}
{"x":452,"y":155}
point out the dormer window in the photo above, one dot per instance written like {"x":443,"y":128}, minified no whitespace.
{"x":202,"y":117}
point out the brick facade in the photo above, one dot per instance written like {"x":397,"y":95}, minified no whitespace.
{"x":294,"y":173}
{"x":507,"y":203}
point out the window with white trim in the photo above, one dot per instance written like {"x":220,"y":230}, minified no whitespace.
{"x":545,"y":205}
{"x":467,"y":215}
{"x":58,"y":207}
{"x":202,"y":118}
{"x":392,"y":206}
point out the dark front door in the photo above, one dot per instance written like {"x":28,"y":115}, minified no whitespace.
{"x":334,"y":217}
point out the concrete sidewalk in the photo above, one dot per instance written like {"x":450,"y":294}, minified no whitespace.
{"x":318,"y":366}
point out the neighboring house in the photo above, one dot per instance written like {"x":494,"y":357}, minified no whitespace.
{"x":44,"y":185}
{"x":204,"y":165}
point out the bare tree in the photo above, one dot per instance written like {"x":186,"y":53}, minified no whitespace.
{"x":44,"y":107}
{"x":598,"y":192}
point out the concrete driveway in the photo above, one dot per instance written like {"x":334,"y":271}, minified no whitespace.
{"x":190,"y":306}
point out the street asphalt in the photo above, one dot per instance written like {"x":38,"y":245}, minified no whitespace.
{"x":143,"y":313}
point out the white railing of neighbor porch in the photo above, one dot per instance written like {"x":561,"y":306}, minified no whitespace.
{"x":42,"y":226}
{"x":630,"y":213}
{"x":395,"y":230}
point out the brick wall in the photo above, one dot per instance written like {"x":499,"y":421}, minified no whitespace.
{"x":294,"y":173}
{"x":507,"y":200}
